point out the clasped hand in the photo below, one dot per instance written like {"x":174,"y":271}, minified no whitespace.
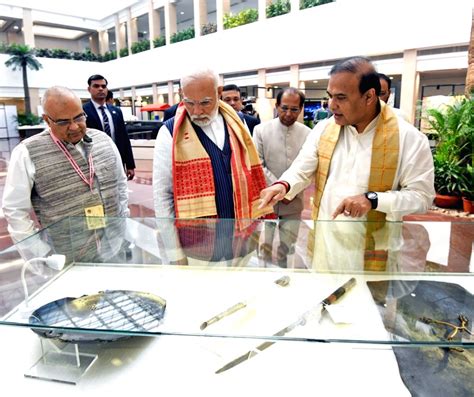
{"x":354,"y":206}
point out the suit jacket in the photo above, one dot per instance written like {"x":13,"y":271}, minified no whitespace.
{"x":121,"y":137}
{"x":250,"y":121}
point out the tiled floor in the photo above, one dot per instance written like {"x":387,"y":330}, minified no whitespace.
{"x":141,"y":205}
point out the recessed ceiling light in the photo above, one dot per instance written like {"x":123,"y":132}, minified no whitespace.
{"x":16,"y":27}
{"x":315,"y":81}
{"x":181,"y":13}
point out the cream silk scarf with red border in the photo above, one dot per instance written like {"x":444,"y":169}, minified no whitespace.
{"x":193,"y":180}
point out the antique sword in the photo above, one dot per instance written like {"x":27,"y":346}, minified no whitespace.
{"x":338,"y":293}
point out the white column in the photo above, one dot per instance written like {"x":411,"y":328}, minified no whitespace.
{"x":295,"y":5}
{"x":103,"y":41}
{"x":171,"y":93}
{"x":132,"y":33}
{"x":200,"y":16}
{"x":409,"y":85}
{"x":153,"y":22}
{"x":222,"y":8}
{"x":294,"y":76}
{"x":262,"y":9}
{"x":170,"y":21}
{"x":154,"y":87}
{"x":28,"y":34}
{"x":118,"y":36}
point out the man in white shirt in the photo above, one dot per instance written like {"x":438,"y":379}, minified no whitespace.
{"x":369,"y":163}
{"x":205,"y":164}
{"x":278,"y":142}
{"x":67,"y":170}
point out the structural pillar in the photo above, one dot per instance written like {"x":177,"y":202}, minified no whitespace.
{"x":28,"y":34}
{"x":171,"y":24}
{"x":295,"y":5}
{"x":262,"y":9}
{"x":132,"y":33}
{"x":153,"y":23}
{"x":294,"y":76}
{"x":222,"y":8}
{"x":409,"y":85}
{"x":154,"y":88}
{"x":103,"y":41}
{"x":118,"y":36}
{"x":94,"y":43}
{"x":200,"y":16}
{"x":171,"y":101}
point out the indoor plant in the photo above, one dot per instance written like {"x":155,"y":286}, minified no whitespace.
{"x":454,"y":128}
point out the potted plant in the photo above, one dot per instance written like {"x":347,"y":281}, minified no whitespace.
{"x":467,"y":190}
{"x":454,"y":128}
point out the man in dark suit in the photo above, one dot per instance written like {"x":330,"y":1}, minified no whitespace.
{"x":231,"y":96}
{"x":109,"y":119}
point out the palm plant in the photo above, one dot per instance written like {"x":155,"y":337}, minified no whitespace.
{"x":23,"y":57}
{"x":453,"y":158}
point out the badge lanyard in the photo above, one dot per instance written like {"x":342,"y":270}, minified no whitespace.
{"x":89,"y":182}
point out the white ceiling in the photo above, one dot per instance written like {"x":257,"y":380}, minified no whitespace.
{"x":90,"y":9}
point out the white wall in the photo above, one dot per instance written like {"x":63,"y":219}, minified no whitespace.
{"x":331,"y":31}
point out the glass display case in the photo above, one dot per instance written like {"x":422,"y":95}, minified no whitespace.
{"x":216,"y":302}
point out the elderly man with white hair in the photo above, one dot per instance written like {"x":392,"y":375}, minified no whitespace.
{"x":205,"y":163}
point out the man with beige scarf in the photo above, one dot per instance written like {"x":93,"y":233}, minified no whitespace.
{"x":368,"y":163}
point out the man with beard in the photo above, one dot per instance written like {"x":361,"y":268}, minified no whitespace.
{"x":205,"y":163}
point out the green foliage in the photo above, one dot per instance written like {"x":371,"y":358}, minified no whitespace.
{"x":140,"y":46}
{"x":185,"y":34}
{"x":312,"y":3}
{"x":22,"y":56}
{"x":109,"y":56}
{"x":123,"y":52}
{"x":242,"y":18}
{"x":280,"y":7}
{"x":159,"y":41}
{"x":453,"y":127}
{"x":208,"y":28}
{"x":28,"y":119}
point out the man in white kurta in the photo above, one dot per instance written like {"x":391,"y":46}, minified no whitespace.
{"x":345,"y":192}
{"x":278,"y":142}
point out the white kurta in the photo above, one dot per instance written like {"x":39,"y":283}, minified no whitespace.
{"x":340,"y":245}
{"x":412,"y":190}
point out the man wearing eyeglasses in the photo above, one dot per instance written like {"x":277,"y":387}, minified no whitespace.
{"x":66,"y":170}
{"x":108,"y":118}
{"x":278,"y":142}
{"x":205,"y":163}
{"x":367,"y":163}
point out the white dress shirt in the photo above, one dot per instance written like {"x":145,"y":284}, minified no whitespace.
{"x":413,"y":189}
{"x":109,"y":116}
{"x":19,"y":183}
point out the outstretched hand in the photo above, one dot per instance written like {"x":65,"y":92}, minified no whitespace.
{"x":271,"y":195}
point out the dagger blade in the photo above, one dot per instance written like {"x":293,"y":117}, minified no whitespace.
{"x":334,"y":297}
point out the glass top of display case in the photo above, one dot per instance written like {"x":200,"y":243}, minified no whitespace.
{"x":83,"y":279}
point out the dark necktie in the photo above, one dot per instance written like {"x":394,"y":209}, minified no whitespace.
{"x":106,"y":120}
